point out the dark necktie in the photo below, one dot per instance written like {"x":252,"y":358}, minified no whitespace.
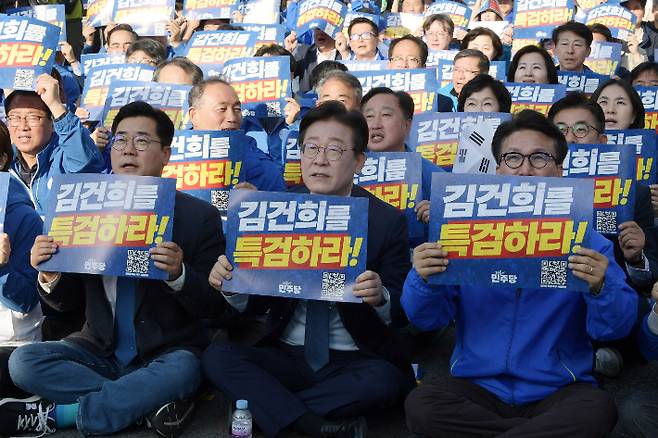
{"x":316,"y":338}
{"x":125,"y":347}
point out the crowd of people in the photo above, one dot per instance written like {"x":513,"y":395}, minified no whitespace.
{"x":101,"y":353}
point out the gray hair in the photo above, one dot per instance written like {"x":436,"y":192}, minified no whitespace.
{"x":344,"y":77}
{"x":197,"y":90}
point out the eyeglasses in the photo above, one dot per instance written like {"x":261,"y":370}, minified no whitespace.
{"x":365,"y":36}
{"x":579,"y":130}
{"x":140,"y":142}
{"x":464,"y":72}
{"x":33,"y":120}
{"x":333,"y":151}
{"x":148,"y":61}
{"x":436,"y":34}
{"x":409,"y":59}
{"x":538,"y":160}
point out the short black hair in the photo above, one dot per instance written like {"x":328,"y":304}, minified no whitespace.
{"x":164,"y":127}
{"x":602,"y":29}
{"x":365,"y":20}
{"x":5,"y":146}
{"x":636,"y":101}
{"x":154,"y":49}
{"x":579,"y":100}
{"x":320,"y":71}
{"x":483,"y":61}
{"x":119,"y":27}
{"x":532,"y":121}
{"x":405,"y":102}
{"x":643,"y":67}
{"x":192,"y":70}
{"x":424,"y":52}
{"x":573,"y":26}
{"x":548,"y":61}
{"x":336,"y":111}
{"x":479,"y":31}
{"x":277,"y":50}
{"x":479,"y":83}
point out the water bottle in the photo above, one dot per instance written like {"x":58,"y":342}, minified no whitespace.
{"x":241,"y":424}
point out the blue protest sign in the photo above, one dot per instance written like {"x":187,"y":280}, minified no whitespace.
{"x":420,"y":83}
{"x":99,"y":12}
{"x":53,"y":14}
{"x":105,"y":224}
{"x":612,"y":167}
{"x":89,"y":60}
{"x":146,"y":17}
{"x":296,"y":245}
{"x":4,"y":191}
{"x":586,"y":82}
{"x":210,"y":49}
{"x":618,"y":19}
{"x":205,"y":9}
{"x":509,"y":231}
{"x":325,"y":15}
{"x":646,"y":154}
{"x":459,"y":13}
{"x":292,"y":159}
{"x":537,"y":97}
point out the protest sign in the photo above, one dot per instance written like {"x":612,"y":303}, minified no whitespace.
{"x":53,"y":14}
{"x":89,"y":60}
{"x":146,"y":17}
{"x":260,"y":11}
{"x":325,"y":15}
{"x":205,"y":9}
{"x":474,"y":153}
{"x":537,"y":97}
{"x":99,"y":12}
{"x":586,"y":82}
{"x":267,"y":33}
{"x":618,"y":19}
{"x":210,"y":49}
{"x":355,"y":65}
{"x":105,"y":224}
{"x":649,"y":97}
{"x":646,"y":154}
{"x":292,"y":156}
{"x":604,"y":57}
{"x":435,"y":56}
{"x":296,"y":245}
{"x":497,"y":70}
{"x":522,"y":37}
{"x":4,"y":192}
{"x":459,"y":13}
{"x":400,"y":24}
{"x":537,"y":15}
{"x":420,"y":83}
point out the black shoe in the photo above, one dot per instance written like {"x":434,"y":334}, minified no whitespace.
{"x":171,"y":419}
{"x":31,"y":414}
{"x":355,"y":428}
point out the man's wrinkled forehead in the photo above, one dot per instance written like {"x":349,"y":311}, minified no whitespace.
{"x":24,"y":100}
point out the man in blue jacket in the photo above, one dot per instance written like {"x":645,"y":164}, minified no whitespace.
{"x":48,"y":139}
{"x":522,"y":365}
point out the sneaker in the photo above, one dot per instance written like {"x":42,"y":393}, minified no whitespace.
{"x":354,"y":428}
{"x":32,"y":414}
{"x":171,"y":419}
{"x":608,"y":362}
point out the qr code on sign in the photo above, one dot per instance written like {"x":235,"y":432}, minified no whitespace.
{"x":553,"y":274}
{"x":606,"y":222}
{"x":137,"y":262}
{"x":219,"y":198}
{"x":23,"y":78}
{"x":333,"y":285}
{"x":273,"y":109}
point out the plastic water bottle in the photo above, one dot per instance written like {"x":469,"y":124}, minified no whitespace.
{"x":241,"y":424}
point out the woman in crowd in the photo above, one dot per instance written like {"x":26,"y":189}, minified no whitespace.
{"x":485,"y":40}
{"x":484,"y":94}
{"x":621,"y":104}
{"x":532,"y":64}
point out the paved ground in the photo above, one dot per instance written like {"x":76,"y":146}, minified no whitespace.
{"x":211,"y":416}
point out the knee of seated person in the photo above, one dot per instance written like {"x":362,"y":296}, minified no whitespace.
{"x":381,"y":382}
{"x":631,"y":409}
{"x":218,"y":356}
{"x":20,"y":361}
{"x":603,"y":404}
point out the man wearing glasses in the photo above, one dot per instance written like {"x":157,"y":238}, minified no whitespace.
{"x":467,"y":64}
{"x":523,"y":362}
{"x":291,"y":380}
{"x":364,"y":38}
{"x":438,"y":30}
{"x":582,"y":121}
{"x":48,"y":139}
{"x":138,"y":352}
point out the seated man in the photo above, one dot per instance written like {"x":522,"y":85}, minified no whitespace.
{"x":214,"y":105}
{"x":48,"y":139}
{"x":389,"y":115}
{"x":523,"y":361}
{"x":290,"y":381}
{"x":140,"y":363}
{"x":468,"y":63}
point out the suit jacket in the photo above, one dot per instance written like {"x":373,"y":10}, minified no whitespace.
{"x":388,"y":255}
{"x":164,"y":320}
{"x":307,"y":59}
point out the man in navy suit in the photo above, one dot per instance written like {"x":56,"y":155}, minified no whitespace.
{"x":138,"y":352}
{"x":362,"y":365}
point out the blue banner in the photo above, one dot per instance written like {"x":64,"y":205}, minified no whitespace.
{"x":205,"y":9}
{"x":98,"y":80}
{"x":27,"y":50}
{"x":497,"y":70}
{"x":262,"y":84}
{"x":260,"y":11}
{"x":53,"y":14}
{"x":99,"y":12}
{"x":296,"y":245}
{"x":166,"y":97}
{"x":4,"y":192}
{"x":532,"y":14}
{"x":522,"y":36}
{"x":210,"y":49}
{"x":105,"y":224}
{"x":420,"y":83}
{"x":354,"y":65}
{"x":207,"y":164}
{"x":325,"y":15}
{"x":435,"y":136}
{"x":649,"y":97}
{"x":267,"y":33}
{"x":292,"y":156}
{"x":612,"y":167}
{"x":459,"y":13}
{"x":396,"y":178}
{"x":89,"y":60}
{"x":586,"y":82}
{"x":146,"y":17}
{"x":400,"y":24}
{"x":646,"y":154}
{"x":537,"y":97}
{"x":510,"y":231}
{"x":618,"y":19}
{"x":604,"y":57}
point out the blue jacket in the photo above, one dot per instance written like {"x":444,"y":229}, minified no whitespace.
{"x":70,"y":150}
{"x":648,"y":340}
{"x":524,"y":344}
{"x":269,"y":141}
{"x":18,"y":280}
{"x":260,"y":170}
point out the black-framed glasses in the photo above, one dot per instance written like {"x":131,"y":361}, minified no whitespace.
{"x":333,"y":151}
{"x":33,"y":120}
{"x":538,"y":160}
{"x":365,"y":36}
{"x":140,"y":142}
{"x":579,"y":129}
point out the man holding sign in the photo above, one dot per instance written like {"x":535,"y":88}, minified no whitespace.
{"x":523,"y":361}
{"x":323,"y":361}
{"x":139,"y":333}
